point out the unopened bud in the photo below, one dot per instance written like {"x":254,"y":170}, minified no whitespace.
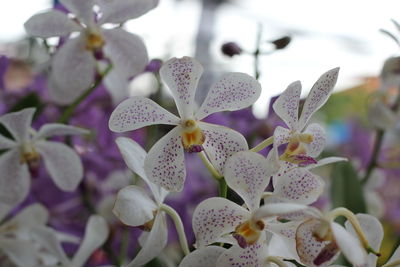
{"x":282,"y":42}
{"x":154,"y":65}
{"x":231,"y":49}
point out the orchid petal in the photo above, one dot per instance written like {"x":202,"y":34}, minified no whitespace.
{"x":83,"y":9}
{"x":154,"y":243}
{"x":253,"y":255}
{"x":350,"y":246}
{"x":117,"y":85}
{"x":299,"y":185}
{"x":96,"y":234}
{"x":50,"y":24}
{"x":4,"y":210}
{"x":319,"y":139}
{"x":277,"y":209}
{"x":215,"y":217}
{"x":134,"y":156}
{"x":318,"y":95}
{"x":308,"y":247}
{"x":381,"y":116}
{"x":52,"y":129}
{"x":182,"y":76}
{"x":325,"y":161}
{"x":47,"y":237}
{"x":18,"y":123}
{"x":207,"y":256}
{"x":73,"y":71}
{"x":7,"y":143}
{"x":137,"y":112}
{"x":232,"y":92}
{"x":281,"y":136}
{"x":248,"y":174}
{"x":165,"y":162}
{"x":287,"y":105}
{"x":283,"y":241}
{"x":119,"y":11}
{"x":63,"y":164}
{"x":133,"y":206}
{"x":373,"y":230}
{"x":14,"y":178}
{"x":21,"y":252}
{"x":126,"y":51}
{"x":221,"y":143}
{"x":31,"y":216}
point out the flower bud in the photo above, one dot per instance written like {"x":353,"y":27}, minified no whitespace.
{"x":282,"y":42}
{"x":231,"y":49}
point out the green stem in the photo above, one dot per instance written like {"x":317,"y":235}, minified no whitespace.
{"x":263,"y":144}
{"x":257,"y":52}
{"x":66,"y":115}
{"x":124,"y":246}
{"x":223,"y":188}
{"x":178,"y":225}
{"x":209,"y":165}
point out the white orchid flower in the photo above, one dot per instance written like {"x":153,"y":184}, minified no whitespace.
{"x":302,"y":144}
{"x":165,"y":164}
{"x":28,"y":148}
{"x":256,"y":254}
{"x":96,"y":234}
{"x":248,"y":174}
{"x":319,"y":240}
{"x":16,"y":235}
{"x":135,"y":208}
{"x":73,"y":66}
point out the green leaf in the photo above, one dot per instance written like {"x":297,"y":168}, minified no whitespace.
{"x":346,"y":189}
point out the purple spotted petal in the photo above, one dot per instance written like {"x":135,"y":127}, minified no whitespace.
{"x":299,"y":185}
{"x":248,"y":174}
{"x":308,"y":247}
{"x":318,"y":95}
{"x":319,"y":139}
{"x":287,"y":105}
{"x":165,"y":162}
{"x":221,"y":143}
{"x":232,"y":92}
{"x":254,"y":255}
{"x":202,"y":257}
{"x":181,"y":76}
{"x":215,"y":217}
{"x":137,"y":112}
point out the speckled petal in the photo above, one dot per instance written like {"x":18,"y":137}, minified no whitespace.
{"x":287,"y":105}
{"x":207,"y":256}
{"x":165,"y":162}
{"x":215,"y":217}
{"x":221,"y":143}
{"x":18,"y":123}
{"x":137,"y":112}
{"x":308,"y":247}
{"x":232,"y":92}
{"x":319,"y":140}
{"x":133,"y":206}
{"x":119,"y":11}
{"x":254,"y":255}
{"x":350,"y":246}
{"x":299,"y":185}
{"x":372,"y":229}
{"x":181,"y":76}
{"x":318,"y":95}
{"x":248,"y":174}
{"x":281,"y":136}
{"x":154,"y":243}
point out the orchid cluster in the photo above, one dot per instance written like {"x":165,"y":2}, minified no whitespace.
{"x":91,"y":140}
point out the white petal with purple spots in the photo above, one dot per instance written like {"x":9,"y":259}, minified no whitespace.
{"x":287,"y":105}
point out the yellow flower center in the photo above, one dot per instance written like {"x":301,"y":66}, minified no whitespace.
{"x":29,"y":155}
{"x":191,"y":134}
{"x":296,"y":147}
{"x":248,"y":232}
{"x":94,"y":41}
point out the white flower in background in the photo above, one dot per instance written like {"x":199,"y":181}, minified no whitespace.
{"x":302,"y":144}
{"x":16,"y":235}
{"x":165,"y":164}
{"x":215,"y":219}
{"x":135,"y":208}
{"x":73,"y":66}
{"x":28,"y":148}
{"x":319,"y":240}
{"x":96,"y":234}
